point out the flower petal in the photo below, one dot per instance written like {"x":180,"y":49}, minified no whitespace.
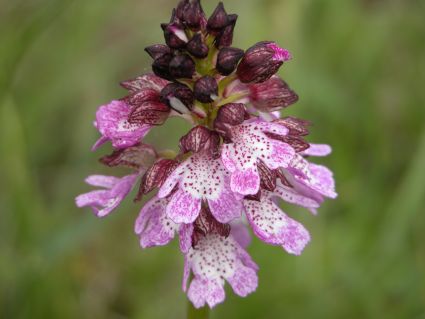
{"x":324,"y":180}
{"x":153,"y":226}
{"x":318,"y":150}
{"x":240,"y":233}
{"x":102,"y":140}
{"x":245,"y":182}
{"x":186,"y":273}
{"x":244,"y":281}
{"x":93,"y":199}
{"x":206,"y":291}
{"x":249,"y":146}
{"x":214,"y":259}
{"x":183,"y":208}
{"x":102,"y":181}
{"x":171,"y":181}
{"x":291,"y":196}
{"x":226,"y":208}
{"x":272,"y":226}
{"x":104,"y":202}
{"x":185,"y":235}
{"x":281,"y":156}
{"x":203,"y":176}
{"x":112,"y":123}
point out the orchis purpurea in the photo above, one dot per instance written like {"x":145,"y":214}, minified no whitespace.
{"x":232,"y":167}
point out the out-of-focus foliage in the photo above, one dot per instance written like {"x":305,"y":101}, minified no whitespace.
{"x":359,"y":68}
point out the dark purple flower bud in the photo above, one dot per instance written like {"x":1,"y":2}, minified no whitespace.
{"x":161,"y":67}
{"x":229,"y":115}
{"x":261,"y":62}
{"x":225,"y":38}
{"x":182,"y":66}
{"x":228,"y":59}
{"x":193,"y":15}
{"x":206,"y":224}
{"x":272,"y":95}
{"x":140,"y":156}
{"x":268,"y":177}
{"x":197,"y":47}
{"x":174,"y":18}
{"x":218,"y":19}
{"x":177,"y":96}
{"x":200,"y":139}
{"x":156,"y":176}
{"x":181,"y":8}
{"x":157,"y":50}
{"x":296,"y":127}
{"x":206,"y":89}
{"x":151,"y":113}
{"x":174,"y":35}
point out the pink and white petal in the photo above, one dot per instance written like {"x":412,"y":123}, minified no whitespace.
{"x":112,"y":123}
{"x":273,"y":128}
{"x":246,"y":259}
{"x":319,"y":150}
{"x":101,"y":202}
{"x":204,"y":177}
{"x":152,"y":207}
{"x":98,"y":198}
{"x":226,"y":208}
{"x":109,"y":207}
{"x":183,"y":208}
{"x":185,"y":236}
{"x":282,"y":154}
{"x":153,"y":226}
{"x":159,"y":231}
{"x":300,"y":167}
{"x":102,"y":140}
{"x":269,"y":117}
{"x":131,"y":135}
{"x":214,"y":259}
{"x":324,"y":181}
{"x":171,"y":181}
{"x":276,"y":114}
{"x":291,"y":196}
{"x":105,"y":201}
{"x":295,"y":237}
{"x":102,"y":181}
{"x":245,"y":182}
{"x":240,"y":233}
{"x":227,"y":159}
{"x":186,"y":273}
{"x":272,"y":226}
{"x":124,"y":186}
{"x":108,"y":115}
{"x":244,"y":281}
{"x":203,"y":291}
{"x":304,"y":187}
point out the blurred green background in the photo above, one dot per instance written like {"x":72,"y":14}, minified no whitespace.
{"x":359,"y":67}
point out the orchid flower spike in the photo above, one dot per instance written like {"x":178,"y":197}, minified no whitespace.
{"x":239,"y":159}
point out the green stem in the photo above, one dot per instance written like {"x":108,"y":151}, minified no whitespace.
{"x":231,"y":99}
{"x":193,"y":313}
{"x":225,"y":82}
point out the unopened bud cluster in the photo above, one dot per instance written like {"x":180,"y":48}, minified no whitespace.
{"x":239,"y":158}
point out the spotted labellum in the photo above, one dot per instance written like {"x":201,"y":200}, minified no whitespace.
{"x":232,"y":170}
